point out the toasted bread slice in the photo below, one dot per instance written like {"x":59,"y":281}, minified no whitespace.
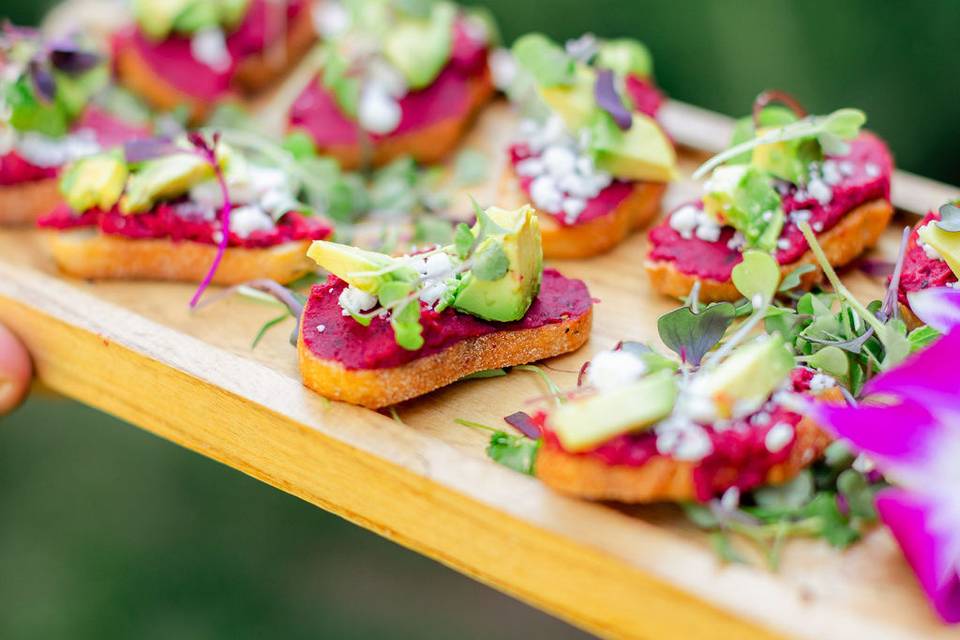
{"x":25,"y":202}
{"x":86,"y":253}
{"x":594,"y":236}
{"x":857,"y":231}
{"x":428,"y":145}
{"x":664,"y":479}
{"x":376,"y":388}
{"x":253,"y":74}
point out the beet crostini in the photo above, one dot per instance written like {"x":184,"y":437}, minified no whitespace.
{"x":645,"y":433}
{"x":199,"y":52}
{"x":932,"y":257}
{"x":398,"y":78}
{"x":163,"y":218}
{"x":590,"y":155}
{"x":783,"y":168}
{"x":49,"y":118}
{"x":382,"y":330}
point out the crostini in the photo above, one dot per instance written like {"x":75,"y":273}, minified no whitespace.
{"x":163,"y":218}
{"x":383,"y":330}
{"x":591,"y":156}
{"x":932,"y":257}
{"x":200,"y":52}
{"x":645,"y":433}
{"x":49,"y":118}
{"x":783,"y":167}
{"x":397,"y":79}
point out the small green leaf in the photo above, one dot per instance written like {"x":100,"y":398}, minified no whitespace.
{"x":949,"y":217}
{"x":922,"y":337}
{"x":546,"y":61}
{"x":724,"y":548}
{"x":363,"y":321}
{"x":513,"y":451}
{"x":859,"y":494}
{"x":791,"y":495}
{"x":692,"y":335}
{"x":486,"y":373}
{"x":830,"y":360}
{"x":269,"y":324}
{"x":463,"y":240}
{"x":700,"y":515}
{"x":490,"y":262}
{"x":844,"y":123}
{"x":757,"y":274}
{"x":792,"y":279}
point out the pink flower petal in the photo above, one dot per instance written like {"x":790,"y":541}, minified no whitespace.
{"x":928,"y":376}
{"x":939,"y":308}
{"x":908,"y":518}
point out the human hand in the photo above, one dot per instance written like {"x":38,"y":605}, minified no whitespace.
{"x":15,"y":371}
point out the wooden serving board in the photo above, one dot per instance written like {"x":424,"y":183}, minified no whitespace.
{"x":136,"y":351}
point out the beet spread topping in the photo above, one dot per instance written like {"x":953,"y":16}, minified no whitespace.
{"x":171,"y":221}
{"x":741,"y":456}
{"x":173,"y":60}
{"x":921,"y":270}
{"x":330,"y":335}
{"x":109,"y":130}
{"x":863,"y":174}
{"x":448,"y":97}
{"x":15,"y":169}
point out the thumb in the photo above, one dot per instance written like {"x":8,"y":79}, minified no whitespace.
{"x":15,"y":370}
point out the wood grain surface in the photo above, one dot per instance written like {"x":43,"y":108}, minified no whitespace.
{"x":136,"y":351}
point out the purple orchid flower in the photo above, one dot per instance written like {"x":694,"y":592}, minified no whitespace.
{"x":908,"y":423}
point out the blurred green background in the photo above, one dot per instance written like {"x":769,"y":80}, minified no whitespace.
{"x":109,"y":532}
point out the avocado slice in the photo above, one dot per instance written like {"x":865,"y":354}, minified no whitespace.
{"x":507,"y":298}
{"x":159,"y":18}
{"x":786,"y":160}
{"x":947,"y":244}
{"x":625,"y":56}
{"x":642,"y":152}
{"x":95,"y":181}
{"x":350,"y":263}
{"x":573,"y":102}
{"x":743,"y":382}
{"x":584,"y":424}
{"x":156,"y":17}
{"x":420,"y":47}
{"x":163,"y":178}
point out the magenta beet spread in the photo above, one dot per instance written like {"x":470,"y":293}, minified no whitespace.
{"x":164,"y":222}
{"x":172,"y":60}
{"x":739,"y":459}
{"x":342,"y":339}
{"x":870,"y":180}
{"x":316,"y":110}
{"x":15,"y":169}
{"x":920,"y":271}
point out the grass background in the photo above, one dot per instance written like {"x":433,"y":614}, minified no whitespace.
{"x":109,"y":532}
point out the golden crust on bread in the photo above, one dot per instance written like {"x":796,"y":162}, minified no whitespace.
{"x":253,"y":74}
{"x":428,"y":145}
{"x":663,"y":479}
{"x":25,"y":202}
{"x":377,"y":388}
{"x":595,"y":236}
{"x":86,"y":253}
{"x":857,"y":231}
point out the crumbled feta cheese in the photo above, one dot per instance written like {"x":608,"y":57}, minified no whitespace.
{"x":820,"y":191}
{"x":800,"y":215}
{"x":783,"y":244}
{"x":247,"y":219}
{"x":847,"y":168}
{"x":863,"y":464}
{"x":378,"y":111}
{"x":611,"y":369}
{"x":321,"y":328}
{"x":821,"y":381}
{"x":559,"y":160}
{"x":930,"y":252}
{"x":209,"y":47}
{"x":760,"y":419}
{"x":44,"y":151}
{"x":778,"y":437}
{"x":817,"y":226}
{"x":872,"y":170}
{"x":831,"y":172}
{"x":573,"y":207}
{"x":545,"y":194}
{"x":503,"y":68}
{"x":725,"y":178}
{"x":387,"y":77}
{"x":330,"y":19}
{"x":736,"y":241}
{"x":355,"y":301}
{"x":694,"y":445}
{"x":684,"y":221}
{"x":707,"y":228}
{"x":730,"y":499}
{"x":529,"y":167}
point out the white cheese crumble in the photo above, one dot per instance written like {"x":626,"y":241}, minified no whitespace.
{"x":872,"y":170}
{"x":330,"y":19}
{"x":321,"y":328}
{"x":377,"y":110}
{"x":355,"y":301}
{"x":44,"y":151}
{"x":800,"y":215}
{"x":503,"y":68}
{"x":730,"y":499}
{"x":682,"y":439}
{"x":689,"y":221}
{"x":434,"y":269}
{"x":863,"y":464}
{"x":783,"y":244}
{"x":612,"y":369}
{"x":778,"y":437}
{"x":725,"y":179}
{"x":820,"y":191}
{"x":209,"y":47}
{"x":930,"y":252}
{"x":247,"y":219}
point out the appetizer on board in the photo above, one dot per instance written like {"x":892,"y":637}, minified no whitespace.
{"x":48,"y":117}
{"x":200,"y":52}
{"x":932,"y":257}
{"x":647,"y":433}
{"x":783,"y":167}
{"x":589,"y":155}
{"x":382,"y":330}
{"x":397,"y":78}
{"x":158,"y":210}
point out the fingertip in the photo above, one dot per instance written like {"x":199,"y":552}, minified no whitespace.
{"x":15,"y":370}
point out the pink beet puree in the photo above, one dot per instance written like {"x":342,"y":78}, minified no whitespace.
{"x":354,"y":346}
{"x":164,"y":223}
{"x":600,"y":205}
{"x":740,"y":457}
{"x":646,"y":98}
{"x":316,"y":110}
{"x":15,"y":169}
{"x":172,"y":60}
{"x":110,"y":130}
{"x":714,"y":260}
{"x":919,"y":270}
